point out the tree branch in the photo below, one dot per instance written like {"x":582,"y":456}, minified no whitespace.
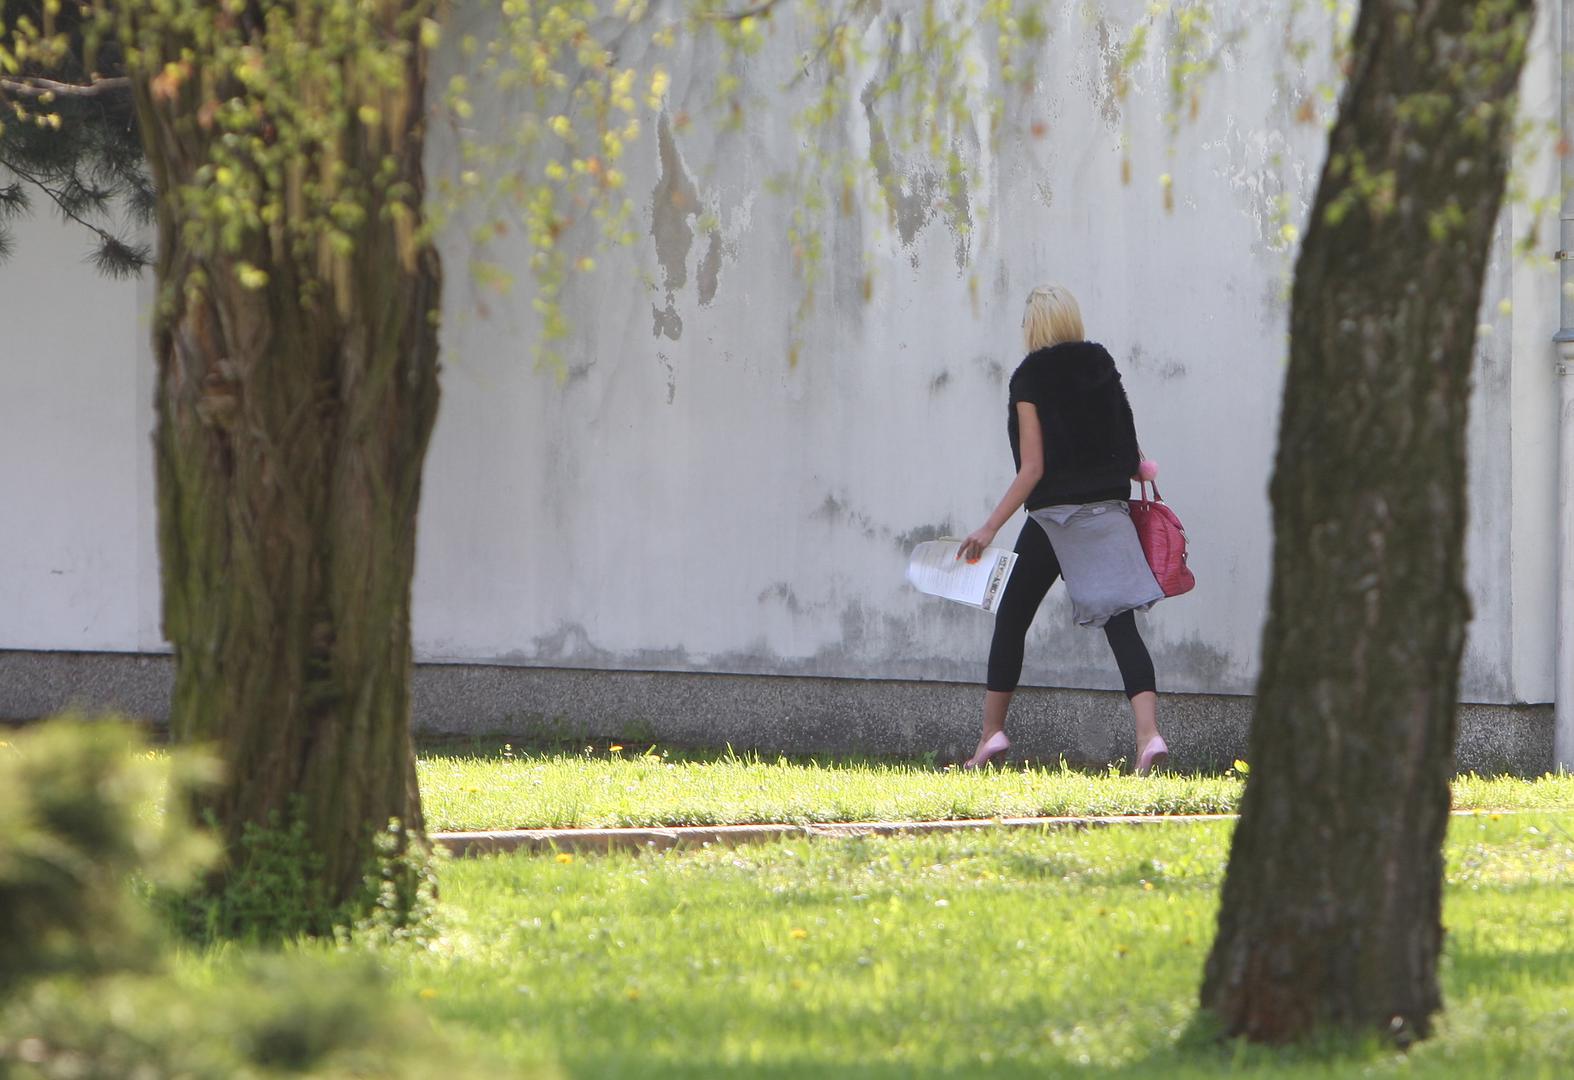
{"x":32,"y":87}
{"x":764,"y":7}
{"x":105,"y":237}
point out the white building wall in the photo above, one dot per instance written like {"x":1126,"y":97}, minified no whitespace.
{"x":693,"y":500}
{"x":78,"y":565}
{"x":1532,"y":472}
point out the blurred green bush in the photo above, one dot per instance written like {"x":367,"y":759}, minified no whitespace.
{"x":92,"y":828}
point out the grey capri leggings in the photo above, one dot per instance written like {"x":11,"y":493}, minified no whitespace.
{"x":1036,"y":570}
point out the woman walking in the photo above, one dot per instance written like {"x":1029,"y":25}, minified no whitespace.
{"x":1075,"y":446}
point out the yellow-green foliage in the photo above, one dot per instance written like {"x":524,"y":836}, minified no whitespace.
{"x":573,"y":110}
{"x":303,"y":110}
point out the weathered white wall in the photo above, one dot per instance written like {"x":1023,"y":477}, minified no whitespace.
{"x":688,"y":499}
{"x":78,"y":565}
{"x":693,"y":500}
{"x":1530,"y":477}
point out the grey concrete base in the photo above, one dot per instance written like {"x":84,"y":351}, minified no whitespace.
{"x":786,"y":714}
{"x":34,"y":684}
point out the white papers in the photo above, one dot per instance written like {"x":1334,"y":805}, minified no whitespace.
{"x":935,"y":569}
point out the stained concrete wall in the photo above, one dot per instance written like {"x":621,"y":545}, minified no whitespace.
{"x":690,"y":499}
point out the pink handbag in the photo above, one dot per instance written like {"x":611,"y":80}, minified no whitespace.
{"x":1163,"y":540}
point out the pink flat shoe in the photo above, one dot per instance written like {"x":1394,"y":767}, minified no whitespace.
{"x":995,"y":744}
{"x":1154,"y":756}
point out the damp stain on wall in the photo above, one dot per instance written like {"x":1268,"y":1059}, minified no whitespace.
{"x":1167,"y":368}
{"x":906,"y":541}
{"x":783,"y":593}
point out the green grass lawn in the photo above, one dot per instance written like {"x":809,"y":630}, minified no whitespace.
{"x":1021,"y":953}
{"x":496,"y":787}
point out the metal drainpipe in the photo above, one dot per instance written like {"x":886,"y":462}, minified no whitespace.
{"x":1563,"y":686}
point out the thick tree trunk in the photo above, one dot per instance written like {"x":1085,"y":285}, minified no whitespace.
{"x":293,"y":422}
{"x":1331,"y":913}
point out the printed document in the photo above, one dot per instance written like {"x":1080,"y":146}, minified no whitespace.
{"x":935,"y":569}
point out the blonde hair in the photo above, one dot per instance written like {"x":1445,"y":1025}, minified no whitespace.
{"x":1052,"y":317}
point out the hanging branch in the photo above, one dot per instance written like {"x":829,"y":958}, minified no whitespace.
{"x":760,"y":9}
{"x":114,"y":256}
{"x":35,"y":87}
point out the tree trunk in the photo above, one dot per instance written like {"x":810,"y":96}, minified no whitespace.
{"x":1331,"y":912}
{"x":293,"y":420}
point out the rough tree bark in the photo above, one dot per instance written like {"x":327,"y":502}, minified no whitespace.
{"x":1331,"y":912}
{"x":292,"y":423}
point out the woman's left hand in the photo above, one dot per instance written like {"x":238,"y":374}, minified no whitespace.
{"x":973,"y":547}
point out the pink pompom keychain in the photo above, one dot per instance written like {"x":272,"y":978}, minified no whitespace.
{"x":1147,"y":470}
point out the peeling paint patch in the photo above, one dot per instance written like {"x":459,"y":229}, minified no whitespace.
{"x":1265,"y":173}
{"x":710,"y":269}
{"x":674,"y":200}
{"x":672,"y":376}
{"x":667,"y":322}
{"x":961,"y":203}
{"x":911,"y":200}
{"x":910,"y":207}
{"x":1105,"y":91}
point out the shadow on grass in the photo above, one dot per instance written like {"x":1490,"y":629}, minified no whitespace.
{"x":1497,"y":971}
{"x":1198,"y":1051}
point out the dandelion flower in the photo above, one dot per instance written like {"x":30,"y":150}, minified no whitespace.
{"x":565,"y":857}
{"x":798,"y":933}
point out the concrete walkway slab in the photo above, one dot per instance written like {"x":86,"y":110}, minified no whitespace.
{"x":660,"y":839}
{"x":657,"y":838}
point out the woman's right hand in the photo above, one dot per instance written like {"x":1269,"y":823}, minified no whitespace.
{"x":972,"y":548}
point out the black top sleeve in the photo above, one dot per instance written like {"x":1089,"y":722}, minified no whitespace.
{"x":1026,"y":385}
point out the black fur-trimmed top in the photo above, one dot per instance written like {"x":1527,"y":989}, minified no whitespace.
{"x":1090,"y":439}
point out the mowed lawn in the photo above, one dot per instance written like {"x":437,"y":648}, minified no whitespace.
{"x":501,"y":787}
{"x":1010,"y":953}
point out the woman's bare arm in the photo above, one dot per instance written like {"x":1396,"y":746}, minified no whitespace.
{"x":1030,"y":442}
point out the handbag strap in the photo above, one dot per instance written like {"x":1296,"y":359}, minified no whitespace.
{"x":1145,"y":484}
